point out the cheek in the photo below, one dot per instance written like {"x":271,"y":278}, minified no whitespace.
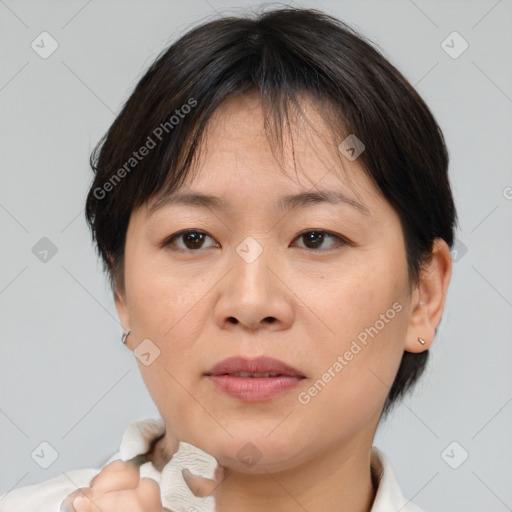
{"x":351,"y":299}
{"x":163,"y":301}
{"x":355,"y":372}
{"x":170,"y":308}
{"x":360,"y":349}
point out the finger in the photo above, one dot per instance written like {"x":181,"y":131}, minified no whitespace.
{"x":67,"y":503}
{"x":82,"y":504}
{"x":148,"y":495}
{"x":116,"y":476}
{"x":200,"y":486}
{"x":146,"y":498}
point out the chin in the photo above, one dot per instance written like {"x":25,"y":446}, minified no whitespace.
{"x":257,"y":456}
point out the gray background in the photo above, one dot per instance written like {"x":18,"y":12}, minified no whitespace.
{"x":65,"y":376}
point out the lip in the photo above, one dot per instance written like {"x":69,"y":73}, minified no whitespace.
{"x":260,"y":364}
{"x":254,"y":389}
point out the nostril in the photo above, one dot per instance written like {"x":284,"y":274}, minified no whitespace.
{"x":270,"y":319}
{"x":233,"y":320}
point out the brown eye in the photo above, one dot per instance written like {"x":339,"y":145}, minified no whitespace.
{"x":313,"y":239}
{"x":192,"y":240}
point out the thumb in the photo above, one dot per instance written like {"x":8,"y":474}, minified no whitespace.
{"x":117,"y":476}
{"x":200,"y":486}
{"x":148,"y":495}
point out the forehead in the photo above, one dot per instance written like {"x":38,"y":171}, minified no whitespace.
{"x":237,"y":163}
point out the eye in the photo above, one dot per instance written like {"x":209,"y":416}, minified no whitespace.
{"x":192,"y":239}
{"x":316,"y":237}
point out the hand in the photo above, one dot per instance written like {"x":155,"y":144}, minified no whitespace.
{"x":118,"y":487}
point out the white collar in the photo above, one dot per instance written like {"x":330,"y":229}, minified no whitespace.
{"x":177,"y":496}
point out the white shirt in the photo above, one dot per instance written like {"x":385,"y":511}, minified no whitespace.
{"x":48,"y":495}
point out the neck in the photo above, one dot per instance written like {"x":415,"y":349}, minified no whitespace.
{"x":338,"y":481}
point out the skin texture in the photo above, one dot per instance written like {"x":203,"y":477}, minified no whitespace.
{"x":182,"y":297}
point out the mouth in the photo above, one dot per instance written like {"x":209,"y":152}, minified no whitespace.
{"x":254,"y":380}
{"x":254,"y":375}
{"x":260,"y":367}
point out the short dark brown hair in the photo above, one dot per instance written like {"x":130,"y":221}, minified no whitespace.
{"x":280,"y":54}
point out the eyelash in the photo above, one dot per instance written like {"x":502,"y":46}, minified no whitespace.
{"x":341,"y":241}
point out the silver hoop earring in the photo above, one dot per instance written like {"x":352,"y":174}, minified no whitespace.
{"x":422,"y":341}
{"x":125,"y":335}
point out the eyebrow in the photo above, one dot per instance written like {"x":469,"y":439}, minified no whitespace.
{"x":288,"y":202}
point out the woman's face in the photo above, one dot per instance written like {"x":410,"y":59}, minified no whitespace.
{"x":340,"y":307}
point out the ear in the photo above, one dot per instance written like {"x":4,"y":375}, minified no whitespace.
{"x":119,"y":295}
{"x":122,"y":308}
{"x":428,"y":299}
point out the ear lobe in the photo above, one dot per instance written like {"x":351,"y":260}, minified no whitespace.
{"x":429,"y":299}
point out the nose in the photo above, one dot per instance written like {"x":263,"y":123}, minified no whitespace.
{"x":254,"y":295}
